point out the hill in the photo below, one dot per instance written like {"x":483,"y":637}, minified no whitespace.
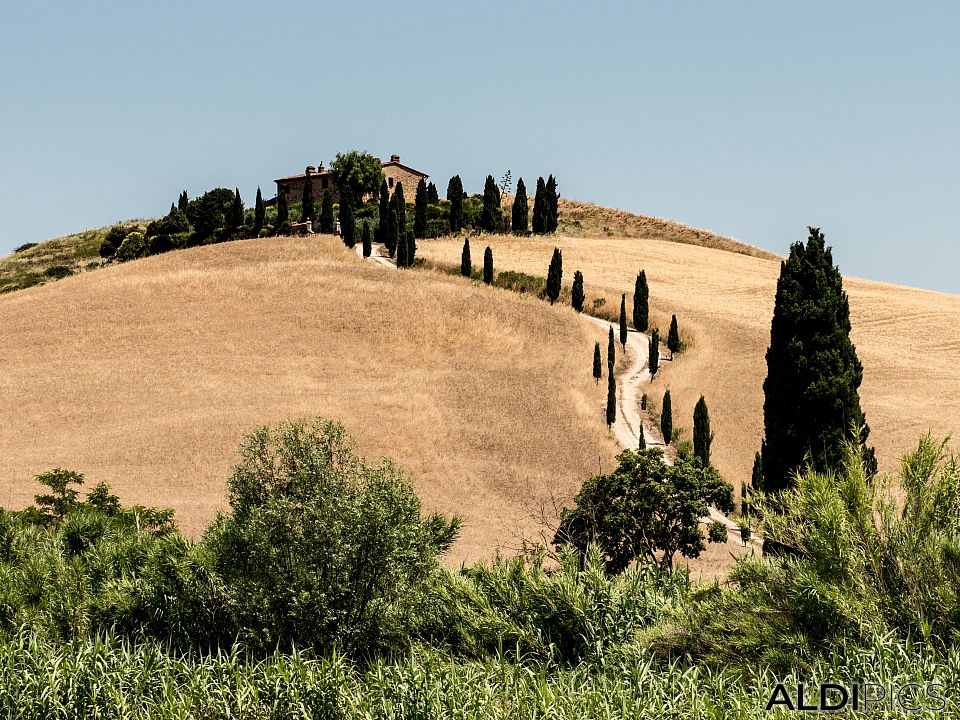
{"x":146,"y":375}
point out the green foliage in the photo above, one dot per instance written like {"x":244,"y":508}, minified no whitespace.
{"x":641,"y":303}
{"x":645,"y":510}
{"x":210,"y":211}
{"x":133,"y":246}
{"x":488,"y":266}
{"x":702,"y":437}
{"x":398,"y":207}
{"x":466,"y":266}
{"x":597,"y":367}
{"x":420,"y":210}
{"x":623,"y":321}
{"x":175,"y":223}
{"x":666,"y":418}
{"x":58,"y":272}
{"x":576,"y":294}
{"x":673,"y":337}
{"x":367,"y":240}
{"x":554,"y":276}
{"x":611,"y":351}
{"x":432,"y":197}
{"x":653,"y":351}
{"x":551,"y":198}
{"x":387,"y":225}
{"x":321,"y":549}
{"x":259,"y":213}
{"x":811,"y":401}
{"x":348,"y":225}
{"x":25,"y":246}
{"x":283,"y":215}
{"x":62,"y":498}
{"x":358,"y":173}
{"x":182,"y":202}
{"x":611,"y":412}
{"x":490,"y":217}
{"x":455,"y":197}
{"x":114,"y":238}
{"x":235,"y":218}
{"x":520,"y":213}
{"x":540,"y":209}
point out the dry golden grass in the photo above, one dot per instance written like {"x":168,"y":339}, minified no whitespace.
{"x":147,"y":375}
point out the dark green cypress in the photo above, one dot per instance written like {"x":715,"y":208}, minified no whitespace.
{"x":597,"y":369}
{"x":411,"y":248}
{"x":539,"y":223}
{"x":282,"y":210}
{"x":643,"y":402}
{"x":488,"y":265}
{"x":400,"y":210}
{"x":387,"y":227}
{"x":642,"y":441}
{"x":183,"y":201}
{"x":641,"y":303}
{"x":347,"y":222}
{"x":326,"y":213}
{"x":555,"y":276}
{"x":756,"y":477}
{"x":367,"y":240}
{"x":611,"y":400}
{"x":811,"y":401}
{"x":236,"y":211}
{"x":420,"y":210}
{"x":666,"y":418}
{"x":623,"y":321}
{"x":455,"y":196}
{"x":611,"y":351}
{"x":172,"y":208}
{"x":576,"y":293}
{"x":519,"y":221}
{"x":490,"y":215}
{"x":653,"y":351}
{"x":466,"y":266}
{"x":432,"y":197}
{"x":402,"y":252}
{"x":702,"y":437}
{"x":307,"y":200}
{"x":551,"y":198}
{"x":259,"y":213}
{"x":673,"y":337}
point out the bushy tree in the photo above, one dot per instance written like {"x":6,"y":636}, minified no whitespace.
{"x":455,"y":196}
{"x":466,"y":266}
{"x":236,"y":211}
{"x":551,"y":198}
{"x":597,"y":368}
{"x":641,"y":303}
{"x":488,"y":265}
{"x":326,"y":214}
{"x":112,"y":241}
{"x":259,"y":213}
{"x":623,"y":321}
{"x":653,"y":351}
{"x":420,"y":210}
{"x":811,"y":404}
{"x":283,"y":211}
{"x":358,"y":173}
{"x":520,"y":214}
{"x":702,"y":437}
{"x":539,"y":223}
{"x":490,"y":217}
{"x":320,"y":549}
{"x":367,"y":240}
{"x":611,"y":400}
{"x":174,"y":223}
{"x":555,"y":276}
{"x":666,"y":418}
{"x":62,"y":497}
{"x":432,"y":197}
{"x":210,"y":211}
{"x":673,"y":337}
{"x":576,"y":293}
{"x":645,"y":510}
{"x":347,"y":222}
{"x":306,"y":202}
{"x":134,"y":246}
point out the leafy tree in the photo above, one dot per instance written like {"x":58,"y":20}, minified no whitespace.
{"x":551,"y":198}
{"x":306,"y":201}
{"x":455,"y":196}
{"x":320,"y":549}
{"x":641,"y":303}
{"x":519,"y":221}
{"x":358,"y":173}
{"x":611,"y":352}
{"x":611,"y":400}
{"x":811,"y":405}
{"x":488,"y":265}
{"x":183,"y":201}
{"x":283,"y":213}
{"x":645,"y":510}
{"x":259,"y":213}
{"x":653,"y":351}
{"x":673,"y":337}
{"x":420,"y":211}
{"x":623,"y":321}
{"x":112,"y":240}
{"x":236,"y":211}
{"x":466,"y":267}
{"x":576,"y":294}
{"x":597,"y":369}
{"x":173,"y":224}
{"x":387,"y":227}
{"x":133,"y":246}
{"x":326,"y":214}
{"x":210,"y":211}
{"x":62,"y":498}
{"x":367,"y":240}
{"x":702,"y":437}
{"x":490,"y":217}
{"x":666,"y":418}
{"x":555,"y":276}
{"x":432,"y":197}
{"x":540,"y":208}
{"x":348,"y":227}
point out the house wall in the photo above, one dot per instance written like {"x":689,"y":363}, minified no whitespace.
{"x":294,"y":188}
{"x":399,"y":175}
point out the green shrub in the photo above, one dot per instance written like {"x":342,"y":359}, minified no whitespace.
{"x":58,"y":271}
{"x":133,"y":246}
{"x":112,"y":241}
{"x":173,"y":224}
{"x":25,"y":246}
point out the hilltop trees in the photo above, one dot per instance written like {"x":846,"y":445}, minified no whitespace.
{"x":641,"y":303}
{"x":488,"y":265}
{"x":235,"y":219}
{"x":519,"y":220}
{"x":259,"y":213}
{"x":326,"y":214}
{"x":490,"y":216}
{"x":702,"y":437}
{"x":653,"y":351}
{"x":611,"y":400}
{"x":551,"y":198}
{"x":183,"y":201}
{"x":673,"y":337}
{"x":623,"y":321}
{"x":666,"y":418}
{"x":420,"y":210}
{"x":347,"y":223}
{"x":576,"y":293}
{"x":466,"y":266}
{"x":811,"y":404}
{"x":555,"y":276}
{"x":455,"y":196}
{"x":358,"y":173}
{"x":597,"y":368}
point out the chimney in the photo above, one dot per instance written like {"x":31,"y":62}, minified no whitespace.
{"x":395,"y":158}
{"x":320,"y":167}
{"x":310,"y":169}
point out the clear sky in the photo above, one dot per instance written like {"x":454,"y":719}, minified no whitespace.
{"x":752,"y":119}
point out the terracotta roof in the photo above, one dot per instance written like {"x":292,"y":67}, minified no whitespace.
{"x":405,"y":167}
{"x":327,"y":171}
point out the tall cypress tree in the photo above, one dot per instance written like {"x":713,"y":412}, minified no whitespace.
{"x":490,"y":215}
{"x":420,"y":210}
{"x":555,"y":276}
{"x":387,"y":227}
{"x":283,"y":211}
{"x":307,"y":200}
{"x":702,"y":437}
{"x":455,"y":196}
{"x":519,"y":221}
{"x":611,"y":399}
{"x":666,"y":418}
{"x":488,"y":265}
{"x":756,"y":477}
{"x":673,"y":337}
{"x":576,"y":293}
{"x":347,"y":222}
{"x":539,"y":223}
{"x":466,"y":266}
{"x":653,"y":351}
{"x":811,"y":402}
{"x":642,"y":441}
{"x":367,"y":240}
{"x":432,"y":197}
{"x":551,"y":198}
{"x":259,"y":213}
{"x":236,"y":211}
{"x":611,"y":352}
{"x":402,"y":252}
{"x":183,"y":201}
{"x":411,"y":248}
{"x":326,"y":213}
{"x":623,"y":321}
{"x":641,"y":303}
{"x":400,"y":210}
{"x":597,"y":369}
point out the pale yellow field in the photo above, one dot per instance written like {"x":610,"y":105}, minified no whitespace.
{"x":907,"y":339}
{"x":147,"y":375}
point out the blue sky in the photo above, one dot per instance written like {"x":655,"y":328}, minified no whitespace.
{"x":753,"y":119}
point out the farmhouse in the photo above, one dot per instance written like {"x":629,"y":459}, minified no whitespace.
{"x":322,"y":179}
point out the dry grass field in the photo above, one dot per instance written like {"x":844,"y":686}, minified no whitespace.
{"x":146,"y":376}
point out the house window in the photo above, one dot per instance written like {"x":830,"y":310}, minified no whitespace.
{"x":390,"y":182}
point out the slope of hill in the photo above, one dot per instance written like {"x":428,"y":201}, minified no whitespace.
{"x":146,"y":375}
{"x":907,"y":339}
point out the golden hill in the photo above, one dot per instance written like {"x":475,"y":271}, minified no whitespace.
{"x":146,"y":376}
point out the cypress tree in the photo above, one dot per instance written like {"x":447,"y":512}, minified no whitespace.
{"x":643,"y":402}
{"x":756,"y":477}
{"x":702,"y":437}
{"x":282,"y":210}
{"x":236,"y":211}
{"x":744,"y":503}
{"x":673,"y":337}
{"x":611,"y":352}
{"x":259,"y":213}
{"x":519,"y":221}
{"x":172,"y":208}
{"x":402,"y":252}
{"x":623,"y":321}
{"x":400,"y":210}
{"x":641,"y":303}
{"x":466,"y":267}
{"x":367,"y":240}
{"x":489,"y":217}
{"x":597,"y":370}
{"x":432,"y":197}
{"x":326,"y":213}
{"x":387,"y":228}
{"x":576,"y":294}
{"x":539,"y":223}
{"x":347,"y":222}
{"x":455,"y":196}
{"x":653,"y":351}
{"x":611,"y":400}
{"x":666,"y":418}
{"x":307,"y":200}
{"x":642,"y":444}
{"x":488,"y":265}
{"x":411,"y":248}
{"x":183,"y":201}
{"x":420,"y":210}
{"x":811,"y":402}
{"x":551,"y":198}
{"x":555,"y":276}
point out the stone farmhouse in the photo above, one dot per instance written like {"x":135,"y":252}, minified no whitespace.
{"x":322,"y":179}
